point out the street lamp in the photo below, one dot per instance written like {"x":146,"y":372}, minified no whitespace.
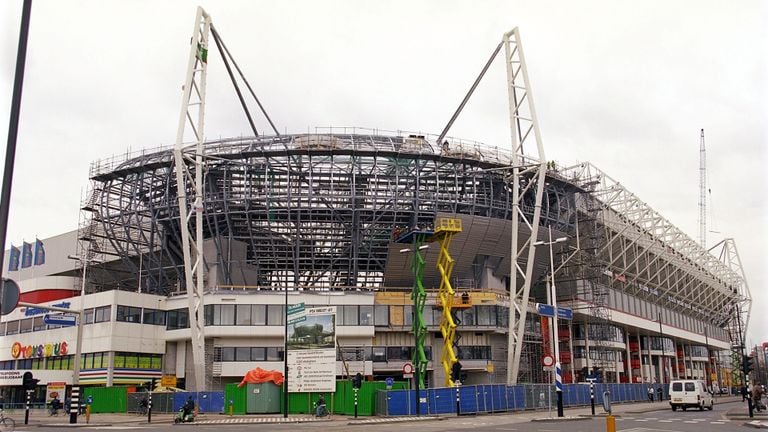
{"x":295,"y":246}
{"x":74,"y":409}
{"x":553,"y":293}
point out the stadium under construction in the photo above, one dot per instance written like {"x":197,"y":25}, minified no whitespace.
{"x":434,"y":250}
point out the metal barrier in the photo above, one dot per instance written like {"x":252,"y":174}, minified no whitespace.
{"x":206,"y":402}
{"x":477,"y":399}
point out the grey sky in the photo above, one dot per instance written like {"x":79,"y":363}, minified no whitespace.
{"x":625,"y":85}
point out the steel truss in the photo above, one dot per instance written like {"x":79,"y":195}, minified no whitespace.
{"x":528,"y":179}
{"x":648,"y":257}
{"x":189,"y":182}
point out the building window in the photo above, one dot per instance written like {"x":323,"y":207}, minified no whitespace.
{"x":88,"y":316}
{"x":275,"y":315}
{"x":38,"y":324}
{"x":258,"y":314}
{"x":349,"y":315}
{"x":102,"y":314}
{"x":178,"y":319}
{"x":275,"y":354}
{"x":474,"y":353}
{"x":21,"y":364}
{"x":242,"y":354}
{"x":25,"y":325}
{"x":154,"y":317}
{"x":13,"y":328}
{"x":379,"y":354}
{"x":258,"y":354}
{"x":128,"y":314}
{"x":381,"y":315}
{"x":366,"y":315}
{"x":243,"y":315}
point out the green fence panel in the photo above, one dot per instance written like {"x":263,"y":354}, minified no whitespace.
{"x":238,"y":396}
{"x":107,"y":399}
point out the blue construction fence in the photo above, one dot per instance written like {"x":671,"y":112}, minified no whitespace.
{"x":207,"y":402}
{"x":475,"y":399}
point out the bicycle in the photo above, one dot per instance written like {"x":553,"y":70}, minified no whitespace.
{"x":6,"y":423}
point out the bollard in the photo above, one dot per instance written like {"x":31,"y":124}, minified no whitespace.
{"x":458,"y":401}
{"x":74,"y":407}
{"x":592,"y":396}
{"x":26,"y":409}
{"x":231,"y":409}
{"x":355,"y":403}
{"x":88,"y":414}
{"x":149,"y":408}
{"x":610,"y":423}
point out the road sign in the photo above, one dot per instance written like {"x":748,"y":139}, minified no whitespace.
{"x":297,"y":308}
{"x":297,"y":319}
{"x":9,"y":297}
{"x":60,"y":319}
{"x":390,"y":381}
{"x":545,"y":309}
{"x":408,"y":370}
{"x":547,"y":360}
{"x":564,"y":313}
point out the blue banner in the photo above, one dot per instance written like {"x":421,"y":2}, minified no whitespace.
{"x":13,"y":259}
{"x":26,"y":255}
{"x":39,"y":253}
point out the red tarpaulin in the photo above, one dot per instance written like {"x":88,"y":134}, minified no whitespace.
{"x":259,"y":375}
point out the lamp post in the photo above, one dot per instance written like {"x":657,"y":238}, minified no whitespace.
{"x":553,"y":293}
{"x":663,"y":360}
{"x":74,"y":405}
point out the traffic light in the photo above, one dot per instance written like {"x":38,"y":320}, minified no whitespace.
{"x":357,"y":380}
{"x":456,"y":372}
{"x":29,"y":382}
{"x":747,"y":364}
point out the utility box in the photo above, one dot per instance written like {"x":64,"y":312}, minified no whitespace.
{"x":263,"y":398}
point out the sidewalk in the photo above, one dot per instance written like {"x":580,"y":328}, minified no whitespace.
{"x":740,"y":412}
{"x":39,"y":417}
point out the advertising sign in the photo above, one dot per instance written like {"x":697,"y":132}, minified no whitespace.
{"x":312,"y":350}
{"x":55,"y":390}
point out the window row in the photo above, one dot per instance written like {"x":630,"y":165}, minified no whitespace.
{"x":601,"y":332}
{"x":138,"y":315}
{"x":138,"y":360}
{"x":99,"y":360}
{"x":247,"y":354}
{"x":594,"y":354}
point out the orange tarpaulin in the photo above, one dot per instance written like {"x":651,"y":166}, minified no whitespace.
{"x":259,"y":375}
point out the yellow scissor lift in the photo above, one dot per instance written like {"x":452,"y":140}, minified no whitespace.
{"x":445,"y":229}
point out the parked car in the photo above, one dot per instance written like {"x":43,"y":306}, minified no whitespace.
{"x":690,"y":394}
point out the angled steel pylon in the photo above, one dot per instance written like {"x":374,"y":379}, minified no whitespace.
{"x":528,"y":173}
{"x":189,"y":173}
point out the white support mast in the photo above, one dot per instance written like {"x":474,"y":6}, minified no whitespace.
{"x":529,"y":172}
{"x":702,"y":193}
{"x":189,"y":174}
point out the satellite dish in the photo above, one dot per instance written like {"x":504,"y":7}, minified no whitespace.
{"x":9,"y":296}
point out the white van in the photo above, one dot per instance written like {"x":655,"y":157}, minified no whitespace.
{"x":690,"y":394}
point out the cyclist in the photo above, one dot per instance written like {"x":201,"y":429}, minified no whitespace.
{"x":55,"y":406}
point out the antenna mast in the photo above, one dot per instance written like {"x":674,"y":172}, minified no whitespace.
{"x":702,"y":193}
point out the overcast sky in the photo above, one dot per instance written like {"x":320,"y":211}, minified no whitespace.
{"x":624,"y":85}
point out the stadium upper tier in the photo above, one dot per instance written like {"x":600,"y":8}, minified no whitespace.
{"x":319,"y":211}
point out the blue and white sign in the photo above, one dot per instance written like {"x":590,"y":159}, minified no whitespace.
{"x":545,"y":309}
{"x":390,"y":381}
{"x":60,"y":319}
{"x":564,"y":313}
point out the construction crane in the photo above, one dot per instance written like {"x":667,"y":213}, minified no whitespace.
{"x":702,"y":193}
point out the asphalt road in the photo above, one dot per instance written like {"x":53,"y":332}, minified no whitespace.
{"x":633,"y":421}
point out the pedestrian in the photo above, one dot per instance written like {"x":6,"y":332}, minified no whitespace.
{"x":650,"y":393}
{"x":660,"y":394}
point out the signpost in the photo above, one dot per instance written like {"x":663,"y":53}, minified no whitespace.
{"x":60,"y":319}
{"x":549,"y":311}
